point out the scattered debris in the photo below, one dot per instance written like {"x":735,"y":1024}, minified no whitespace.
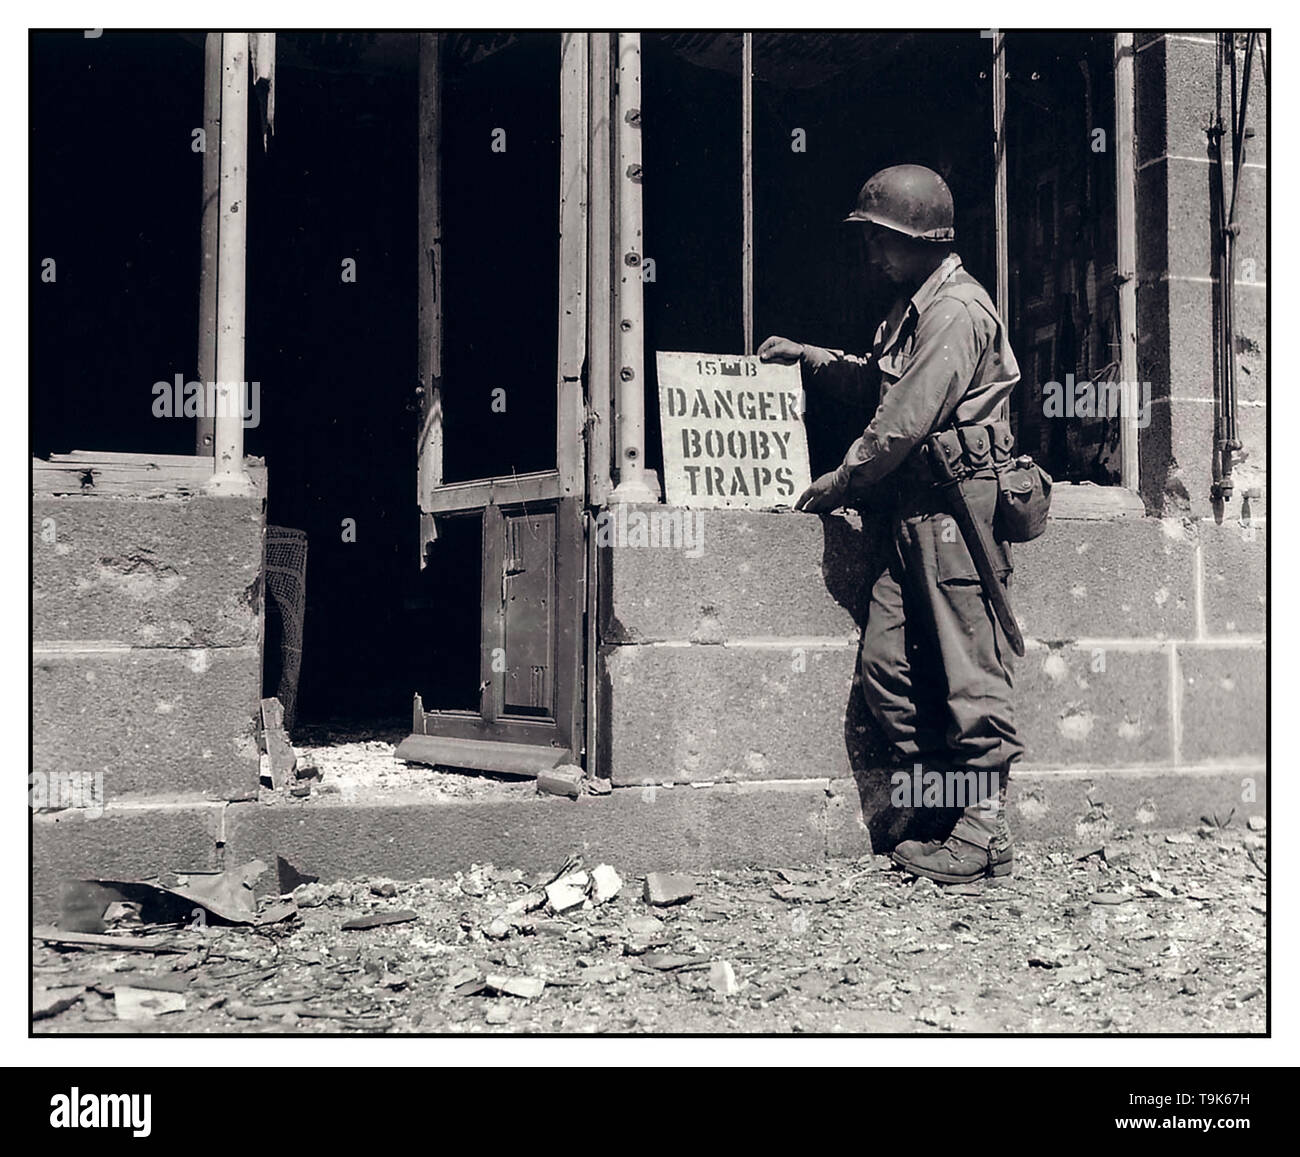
{"x":311,"y":895}
{"x":117,"y":943}
{"x":1033,"y":953}
{"x":52,"y":1001}
{"x":798,"y":876}
{"x":568,"y":892}
{"x":131,"y":1003}
{"x":281,"y":760}
{"x":379,"y":919}
{"x":645,"y":926}
{"x":526,"y":987}
{"x":722,"y":978}
{"x":567,"y":779}
{"x":528,"y":902}
{"x":605,"y":884}
{"x":665,"y":888}
{"x":227,"y":895}
{"x":804,"y":893}
{"x":667,"y":961}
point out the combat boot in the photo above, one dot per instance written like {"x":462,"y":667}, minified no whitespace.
{"x":954,"y":860}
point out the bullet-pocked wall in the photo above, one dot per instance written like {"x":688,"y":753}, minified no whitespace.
{"x":1142,"y":697}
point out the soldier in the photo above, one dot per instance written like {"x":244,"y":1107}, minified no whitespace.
{"x":935,"y":662}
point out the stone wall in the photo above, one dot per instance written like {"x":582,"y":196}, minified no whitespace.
{"x":1145,"y":660}
{"x":1175,"y":104}
{"x":147,"y":630}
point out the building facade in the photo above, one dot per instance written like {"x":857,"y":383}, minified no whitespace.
{"x":541,"y":215}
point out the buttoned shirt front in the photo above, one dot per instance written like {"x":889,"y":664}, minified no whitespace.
{"x":943,"y":357}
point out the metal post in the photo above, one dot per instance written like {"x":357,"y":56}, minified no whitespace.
{"x":1126,"y":255}
{"x":747,"y":187}
{"x":1000,"y":172}
{"x":231,"y":243}
{"x":600,"y":289}
{"x":207,"y":359}
{"x":636,"y":484}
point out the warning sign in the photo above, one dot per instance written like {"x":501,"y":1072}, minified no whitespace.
{"x":733,"y":432}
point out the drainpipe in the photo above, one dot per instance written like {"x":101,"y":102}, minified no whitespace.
{"x":636,"y":483}
{"x":228,"y":475}
{"x":1228,"y":441}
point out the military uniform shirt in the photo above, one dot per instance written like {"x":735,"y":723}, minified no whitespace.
{"x":943,"y":357}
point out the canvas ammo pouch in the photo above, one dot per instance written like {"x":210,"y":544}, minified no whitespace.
{"x":1024,"y":488}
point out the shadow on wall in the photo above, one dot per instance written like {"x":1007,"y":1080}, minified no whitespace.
{"x":854,"y":554}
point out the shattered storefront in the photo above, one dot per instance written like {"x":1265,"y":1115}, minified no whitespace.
{"x":451,"y":262}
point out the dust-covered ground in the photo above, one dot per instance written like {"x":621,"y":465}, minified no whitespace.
{"x":1157,"y":932}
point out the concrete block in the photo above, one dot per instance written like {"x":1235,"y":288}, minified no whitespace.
{"x":161,"y":572}
{"x":1189,"y":97}
{"x":121,"y":843}
{"x":1189,"y":331}
{"x":1223,"y":690}
{"x":1188,"y":192}
{"x":637,"y":830}
{"x":693,"y":713}
{"x":1177,"y":454}
{"x":1150,"y":101}
{"x":1153,"y":239}
{"x":749,"y":575}
{"x":152,"y":721}
{"x":1234,"y":576}
{"x":1087,"y":807}
{"x":1250,"y":319}
{"x":1094,"y":707}
{"x":1126,"y":578}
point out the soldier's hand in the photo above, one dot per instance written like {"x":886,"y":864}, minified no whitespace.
{"x":823,"y":495}
{"x":781,"y":350}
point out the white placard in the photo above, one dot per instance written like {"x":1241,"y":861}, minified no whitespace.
{"x":733,"y":432}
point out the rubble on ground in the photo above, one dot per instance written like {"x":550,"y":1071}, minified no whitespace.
{"x":1149,"y":933}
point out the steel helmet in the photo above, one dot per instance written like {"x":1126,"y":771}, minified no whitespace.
{"x":909,"y":199}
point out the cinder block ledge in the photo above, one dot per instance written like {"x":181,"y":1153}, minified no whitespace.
{"x":693,"y":827}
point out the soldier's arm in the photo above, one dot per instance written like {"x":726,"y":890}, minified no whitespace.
{"x":947,"y":346}
{"x":848,"y":377}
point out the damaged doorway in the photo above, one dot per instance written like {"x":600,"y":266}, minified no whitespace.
{"x":435,"y":162}
{"x":502,"y":227}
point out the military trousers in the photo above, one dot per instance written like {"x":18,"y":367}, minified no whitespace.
{"x":935,"y":664}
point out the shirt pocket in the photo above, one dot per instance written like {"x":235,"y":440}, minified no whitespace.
{"x":895,"y":363}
